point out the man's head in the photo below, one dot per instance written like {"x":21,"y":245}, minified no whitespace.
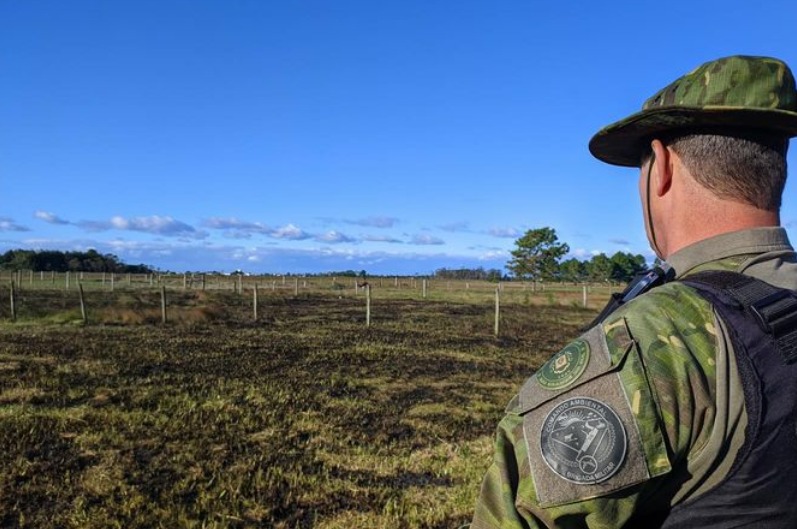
{"x":714,"y":141}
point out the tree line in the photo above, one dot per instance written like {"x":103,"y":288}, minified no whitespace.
{"x":538,"y":257}
{"x":57,"y":261}
{"x":471,"y":274}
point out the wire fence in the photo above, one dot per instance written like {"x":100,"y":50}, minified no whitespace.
{"x":98,"y":297}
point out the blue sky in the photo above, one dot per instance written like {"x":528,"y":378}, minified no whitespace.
{"x":319,"y":135}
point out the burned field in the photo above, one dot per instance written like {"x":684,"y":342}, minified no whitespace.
{"x":304,"y":419}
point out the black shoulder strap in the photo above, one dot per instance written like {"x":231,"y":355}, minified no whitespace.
{"x":641,"y":283}
{"x":773,"y":308}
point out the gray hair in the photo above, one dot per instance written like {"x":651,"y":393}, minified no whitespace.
{"x":749,"y":168}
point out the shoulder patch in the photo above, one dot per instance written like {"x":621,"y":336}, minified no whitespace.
{"x":565,"y":367}
{"x":590,"y":430}
{"x":583,"y":440}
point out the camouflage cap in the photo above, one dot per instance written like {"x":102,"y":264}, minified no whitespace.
{"x":738,"y":92}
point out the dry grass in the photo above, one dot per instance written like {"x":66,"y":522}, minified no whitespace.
{"x":304,"y":419}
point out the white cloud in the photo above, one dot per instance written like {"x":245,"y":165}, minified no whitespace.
{"x":155,"y":224}
{"x":492,"y":255}
{"x":8,"y":224}
{"x":236,"y":225}
{"x":290,"y":232}
{"x":505,"y":233}
{"x":334,"y":237}
{"x":427,"y":240}
{"x":49,"y":217}
{"x":381,"y":238}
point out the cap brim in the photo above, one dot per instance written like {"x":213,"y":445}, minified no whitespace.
{"x":621,"y":143}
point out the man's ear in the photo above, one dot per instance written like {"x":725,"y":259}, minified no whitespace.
{"x":662,"y":168}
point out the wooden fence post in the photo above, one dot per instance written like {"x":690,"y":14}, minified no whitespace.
{"x":254,"y":302}
{"x":67,"y":280}
{"x":424,"y":289}
{"x":82,"y":304}
{"x":367,"y":305}
{"x":497,"y":310}
{"x":13,"y":303}
{"x":163,"y":305}
{"x":584,"y":295}
{"x":113,"y":281}
{"x":296,"y":287}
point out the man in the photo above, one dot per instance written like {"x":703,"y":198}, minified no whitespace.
{"x":668,"y":413}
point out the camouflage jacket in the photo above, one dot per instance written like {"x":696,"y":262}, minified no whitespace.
{"x":641,"y":413}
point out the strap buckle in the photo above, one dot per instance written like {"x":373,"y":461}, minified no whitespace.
{"x":776,"y":313}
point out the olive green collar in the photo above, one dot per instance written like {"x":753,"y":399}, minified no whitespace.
{"x":745,"y":242}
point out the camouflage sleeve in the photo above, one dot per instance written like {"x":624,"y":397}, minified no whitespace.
{"x":593,"y":437}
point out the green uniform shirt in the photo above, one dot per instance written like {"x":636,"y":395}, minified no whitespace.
{"x":642,"y":412}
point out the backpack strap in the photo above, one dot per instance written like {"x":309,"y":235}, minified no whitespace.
{"x":773,"y":308}
{"x":641,"y":283}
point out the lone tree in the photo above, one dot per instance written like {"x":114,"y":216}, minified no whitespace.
{"x":537,"y":255}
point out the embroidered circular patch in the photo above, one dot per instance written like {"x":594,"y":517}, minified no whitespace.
{"x":564,"y":367}
{"x":583,"y":441}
